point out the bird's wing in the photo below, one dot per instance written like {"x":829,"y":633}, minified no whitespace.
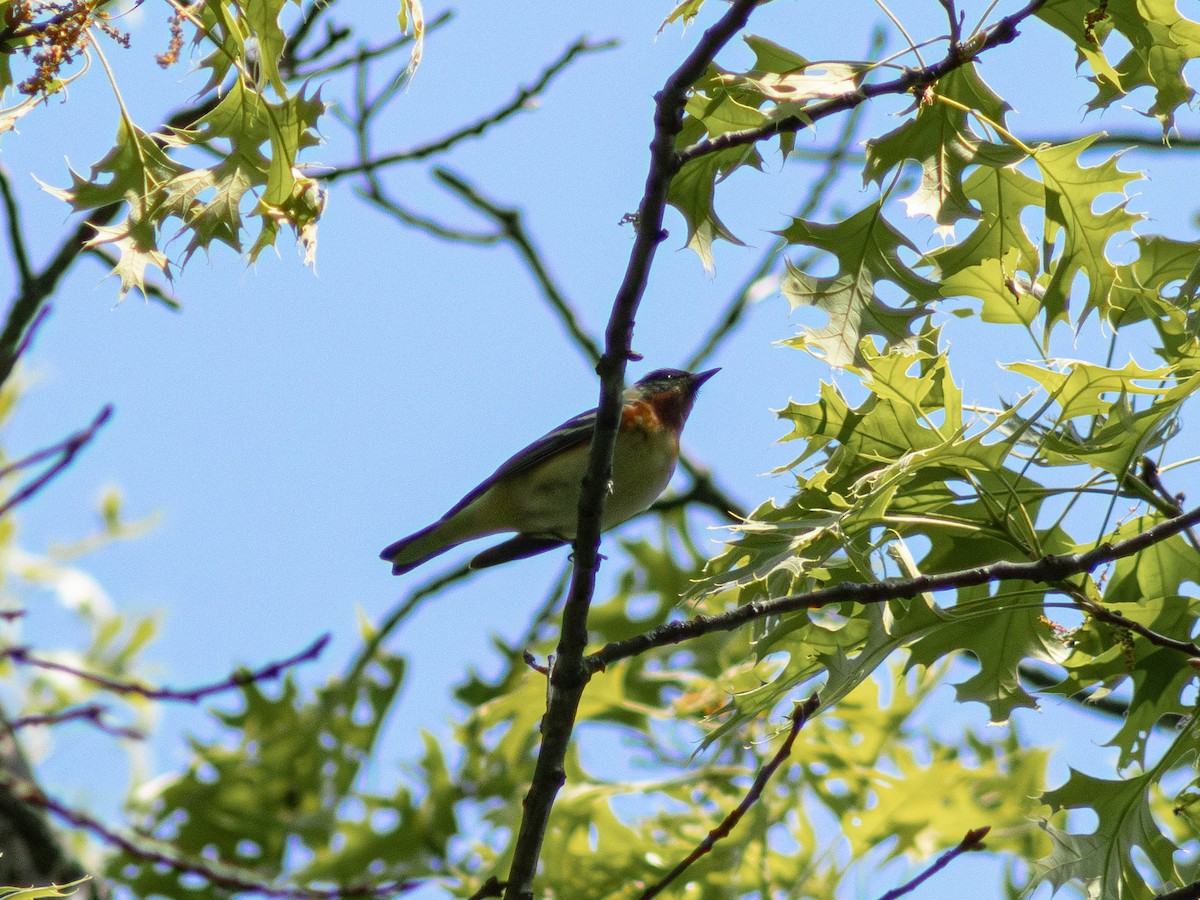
{"x":570,"y":433}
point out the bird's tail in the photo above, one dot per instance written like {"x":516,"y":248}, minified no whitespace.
{"x":409,"y":552}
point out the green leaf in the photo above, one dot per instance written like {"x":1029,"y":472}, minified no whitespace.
{"x":997,"y":258}
{"x":685,"y":12}
{"x":941,"y":140}
{"x":693,"y":188}
{"x":47,"y":892}
{"x":1161,"y":43}
{"x":263,"y":18}
{"x":867,"y":250}
{"x":1072,"y":192}
{"x":277,"y":786}
{"x":1104,"y":861}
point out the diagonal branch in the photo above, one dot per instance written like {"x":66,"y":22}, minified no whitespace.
{"x":569,"y":674}
{"x":520,"y":101}
{"x":1047,"y":570}
{"x":511,"y":229}
{"x":971,"y":842}
{"x":800,"y":715}
{"x":66,"y":450}
{"x":88,"y":712}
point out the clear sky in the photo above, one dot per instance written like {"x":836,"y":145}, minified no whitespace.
{"x":287,"y":424}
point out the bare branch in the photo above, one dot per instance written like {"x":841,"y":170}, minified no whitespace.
{"x":1112,"y":617}
{"x":511,"y":229}
{"x":66,"y":450}
{"x":366,"y":54}
{"x":955,"y":19}
{"x":569,"y":674}
{"x":376,"y":196}
{"x":1047,"y":570}
{"x":800,"y":714}
{"x":972,"y":841}
{"x":1126,"y":140}
{"x":704,"y":491}
{"x":89,"y":712}
{"x":23,"y":656}
{"x":519,"y":102}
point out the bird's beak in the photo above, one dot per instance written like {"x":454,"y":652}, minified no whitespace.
{"x":700,"y":377}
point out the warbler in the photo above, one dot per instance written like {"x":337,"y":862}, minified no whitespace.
{"x":536,"y":492}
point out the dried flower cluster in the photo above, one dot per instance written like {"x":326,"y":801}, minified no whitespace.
{"x":171,"y":55}
{"x":53,"y":35}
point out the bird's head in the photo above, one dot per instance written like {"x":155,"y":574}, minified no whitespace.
{"x":671,"y":391}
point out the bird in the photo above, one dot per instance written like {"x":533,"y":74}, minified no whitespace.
{"x":536,"y":492}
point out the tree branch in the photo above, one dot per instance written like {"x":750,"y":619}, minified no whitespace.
{"x":16,"y":236}
{"x":66,"y":450}
{"x":569,"y":674}
{"x":89,"y":712}
{"x":1002,"y":32}
{"x":511,"y":228}
{"x":23,"y":656}
{"x":972,"y":841}
{"x":1048,"y":570}
{"x":800,"y":715}
{"x":520,"y":100}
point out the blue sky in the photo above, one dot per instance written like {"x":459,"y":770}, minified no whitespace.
{"x":287,"y":424}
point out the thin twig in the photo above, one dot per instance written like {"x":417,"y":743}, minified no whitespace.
{"x":512,"y":230}
{"x":23,"y":656}
{"x":703,"y":491}
{"x":801,"y":714}
{"x":366,"y":54}
{"x":219,"y":876}
{"x":89,"y":712}
{"x":1112,"y":617}
{"x":520,"y":101}
{"x":66,"y":450}
{"x":1048,"y":570}
{"x":569,"y":674}
{"x":376,"y":196}
{"x":972,"y":841}
{"x":1126,"y":140}
{"x":956,"y":23}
